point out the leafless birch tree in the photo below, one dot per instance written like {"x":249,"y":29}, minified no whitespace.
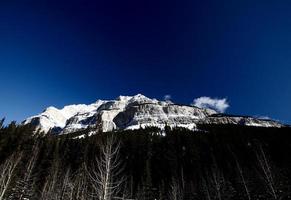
{"x":106,"y":172}
{"x":176,"y":190}
{"x":81,"y":184}
{"x":7,"y":171}
{"x":67,"y":186}
{"x":49,"y":188}
{"x":215,"y":185}
{"x":267,"y":174}
{"x":53,"y":186}
{"x":241,"y":176}
{"x":24,"y":188}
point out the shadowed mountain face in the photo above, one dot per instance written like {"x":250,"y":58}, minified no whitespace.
{"x":134,"y":112}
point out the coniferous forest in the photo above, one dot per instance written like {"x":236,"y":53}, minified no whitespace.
{"x":218,"y":162}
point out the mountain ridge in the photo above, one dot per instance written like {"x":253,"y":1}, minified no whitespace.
{"x":134,"y":112}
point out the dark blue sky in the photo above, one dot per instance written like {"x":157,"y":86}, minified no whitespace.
{"x":64,"y":52}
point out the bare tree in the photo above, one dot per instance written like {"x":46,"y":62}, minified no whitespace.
{"x":217,"y":181}
{"x":266,"y":171}
{"x":241,"y":176}
{"x":24,"y":188}
{"x":106,"y":172}
{"x":67,"y":186}
{"x":206,"y":189}
{"x":49,"y":189}
{"x":7,"y":171}
{"x":177,"y":187}
{"x":58,"y":183}
{"x":81,"y":184}
{"x":215,"y":185}
{"x":176,"y":190}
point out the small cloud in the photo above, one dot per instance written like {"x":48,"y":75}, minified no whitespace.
{"x":167,"y":97}
{"x":263,"y":117}
{"x":220,"y":105}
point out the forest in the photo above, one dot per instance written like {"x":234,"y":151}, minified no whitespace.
{"x":215,"y":162}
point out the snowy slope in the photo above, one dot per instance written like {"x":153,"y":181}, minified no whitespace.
{"x":133,"y":112}
{"x":52,"y":117}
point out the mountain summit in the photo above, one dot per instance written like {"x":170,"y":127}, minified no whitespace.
{"x":134,"y":112}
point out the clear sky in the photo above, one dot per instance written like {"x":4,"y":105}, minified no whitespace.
{"x":64,"y":52}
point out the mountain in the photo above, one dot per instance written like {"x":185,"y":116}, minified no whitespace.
{"x":134,"y":112}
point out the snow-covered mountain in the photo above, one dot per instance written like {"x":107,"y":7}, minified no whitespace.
{"x":133,"y":112}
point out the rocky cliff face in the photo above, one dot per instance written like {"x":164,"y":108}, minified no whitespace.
{"x":133,"y":112}
{"x":240,"y":120}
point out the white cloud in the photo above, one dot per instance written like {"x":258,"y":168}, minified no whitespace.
{"x":220,"y":105}
{"x":262,"y":117}
{"x":167,"y":97}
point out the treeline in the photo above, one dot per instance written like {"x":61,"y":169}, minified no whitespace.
{"x":217,"y":163}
